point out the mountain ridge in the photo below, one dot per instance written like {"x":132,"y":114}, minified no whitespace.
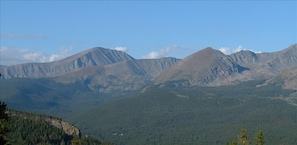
{"x":91,"y":57}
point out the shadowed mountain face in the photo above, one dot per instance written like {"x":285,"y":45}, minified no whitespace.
{"x":92,"y":57}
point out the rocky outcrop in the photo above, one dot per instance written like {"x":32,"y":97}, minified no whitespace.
{"x":65,"y":126}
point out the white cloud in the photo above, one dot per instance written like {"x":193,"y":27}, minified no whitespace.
{"x":164,"y":52}
{"x":120,"y":48}
{"x":63,"y":53}
{"x":11,"y":56}
{"x":152,"y":55}
{"x":228,"y":51}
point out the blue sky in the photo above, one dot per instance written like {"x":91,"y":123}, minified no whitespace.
{"x":42,"y":31}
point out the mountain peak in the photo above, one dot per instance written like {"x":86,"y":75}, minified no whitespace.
{"x":201,"y":68}
{"x":103,"y":53}
{"x":209,"y":50}
{"x":206,"y":54}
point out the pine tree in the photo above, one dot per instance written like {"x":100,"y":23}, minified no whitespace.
{"x":3,"y":123}
{"x":243,"y":138}
{"x":259,"y":139}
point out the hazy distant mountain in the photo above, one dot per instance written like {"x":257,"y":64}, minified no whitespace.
{"x":210,"y":67}
{"x":92,"y":57}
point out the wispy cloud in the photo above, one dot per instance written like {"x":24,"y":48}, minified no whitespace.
{"x":120,"y":48}
{"x":22,"y":36}
{"x":228,"y":51}
{"x":165,"y":52}
{"x":11,"y":56}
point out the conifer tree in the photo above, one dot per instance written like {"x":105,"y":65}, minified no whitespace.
{"x":259,"y":139}
{"x":243,"y":138}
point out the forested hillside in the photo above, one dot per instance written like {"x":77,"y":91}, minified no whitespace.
{"x":35,"y":129}
{"x":197,"y":115}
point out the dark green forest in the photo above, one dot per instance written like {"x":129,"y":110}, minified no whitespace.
{"x":198,"y":115}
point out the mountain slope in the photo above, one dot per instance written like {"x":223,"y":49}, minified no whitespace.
{"x":92,"y":57}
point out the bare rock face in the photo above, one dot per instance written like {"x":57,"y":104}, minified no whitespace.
{"x":65,"y":126}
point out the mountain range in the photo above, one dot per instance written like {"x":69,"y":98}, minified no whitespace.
{"x":106,"y":70}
